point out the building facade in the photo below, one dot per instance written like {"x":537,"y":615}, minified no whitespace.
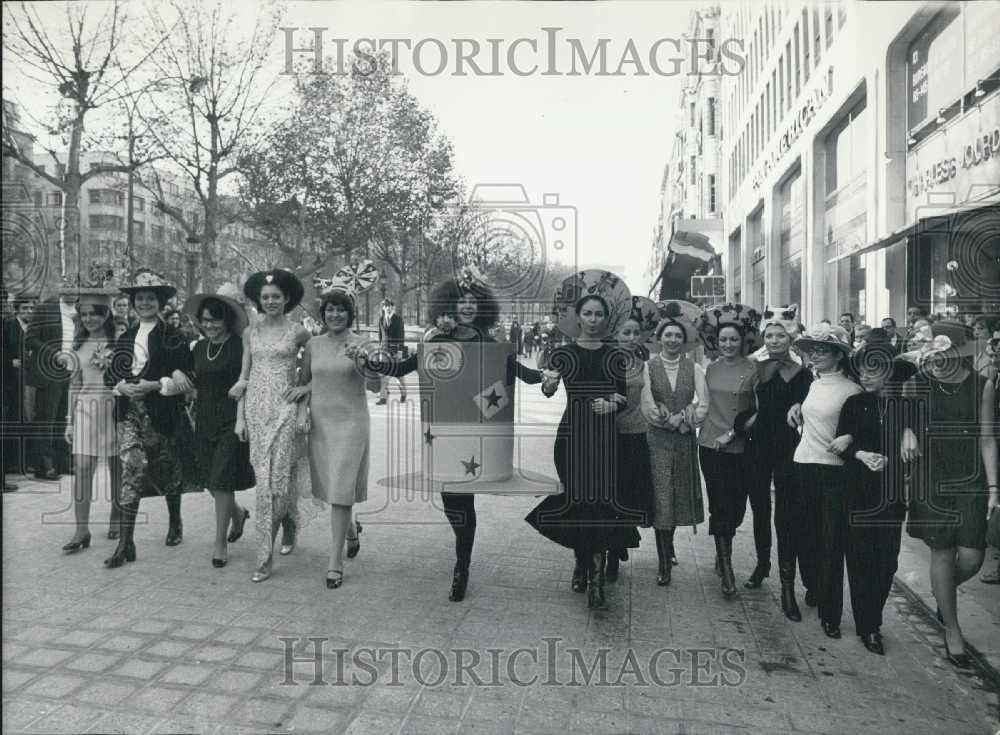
{"x":860,"y":158}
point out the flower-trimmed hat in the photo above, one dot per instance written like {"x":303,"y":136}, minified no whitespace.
{"x":688,"y":315}
{"x":287,"y":281}
{"x":96,"y":287}
{"x":607,"y":285}
{"x":826,"y":334}
{"x":645,"y":313}
{"x":948,"y":339}
{"x":878,"y":354}
{"x":722,"y":315}
{"x":146,"y":279}
{"x":240,"y":320}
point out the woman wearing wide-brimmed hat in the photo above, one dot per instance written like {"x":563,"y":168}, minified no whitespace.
{"x":223,"y":460}
{"x":819,"y":471}
{"x":266,"y":413}
{"x":950,"y":440}
{"x":731,"y":381}
{"x":674,"y":403}
{"x":151,"y":366}
{"x":90,"y":423}
{"x":874,"y":507}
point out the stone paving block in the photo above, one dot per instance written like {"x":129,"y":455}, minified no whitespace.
{"x":419,"y":725}
{"x":272,"y":713}
{"x":238,"y":636}
{"x":207,"y":705}
{"x":109,"y":621}
{"x":93,"y":662}
{"x":152,"y":627}
{"x":315,"y":719}
{"x":385,"y":698}
{"x":13,"y":650}
{"x":123,"y":643}
{"x":55,"y":686}
{"x":158,"y":699}
{"x":187,"y":675}
{"x":194,"y":631}
{"x":235,"y":682}
{"x":336,"y":697}
{"x":444,"y":704}
{"x":45,"y":658}
{"x":484,"y":727}
{"x":39,"y":634}
{"x":140,"y":668}
{"x":168,"y":649}
{"x":69,"y":718}
{"x":179,"y":725}
{"x":124,"y":723}
{"x":80,"y":638}
{"x":213,"y":654}
{"x":15,"y":678}
{"x":374,"y":722}
{"x":21,"y":712}
{"x":106,"y":693}
{"x":259,"y":659}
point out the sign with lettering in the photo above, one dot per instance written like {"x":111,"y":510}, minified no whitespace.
{"x":705,"y":287}
{"x":800,"y":121}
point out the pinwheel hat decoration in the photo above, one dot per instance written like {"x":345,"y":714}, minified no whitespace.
{"x":470,"y":277}
{"x":353,"y":279}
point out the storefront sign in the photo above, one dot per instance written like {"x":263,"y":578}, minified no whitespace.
{"x":956,"y":162}
{"x":805,"y":114}
{"x":708,"y":287}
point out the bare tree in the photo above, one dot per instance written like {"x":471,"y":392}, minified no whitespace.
{"x":215,"y":85}
{"x":87,"y":63}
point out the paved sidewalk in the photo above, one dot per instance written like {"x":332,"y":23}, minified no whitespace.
{"x":170,"y":644}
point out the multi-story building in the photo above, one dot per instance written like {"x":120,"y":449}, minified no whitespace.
{"x":861,"y":157}
{"x":687,"y":241}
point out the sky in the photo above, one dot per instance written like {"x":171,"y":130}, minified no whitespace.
{"x":597,"y":142}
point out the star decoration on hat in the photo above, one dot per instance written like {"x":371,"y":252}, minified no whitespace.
{"x":471,"y":466}
{"x":492,"y":400}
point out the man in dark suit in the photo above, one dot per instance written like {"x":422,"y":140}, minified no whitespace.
{"x":15,"y":364}
{"x":516,"y":336}
{"x":50,"y":342}
{"x":392,"y":336}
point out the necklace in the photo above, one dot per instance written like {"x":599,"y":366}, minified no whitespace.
{"x":882,"y":404}
{"x":208,"y":349}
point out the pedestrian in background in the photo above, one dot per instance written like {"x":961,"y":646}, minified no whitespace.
{"x":391,"y":334}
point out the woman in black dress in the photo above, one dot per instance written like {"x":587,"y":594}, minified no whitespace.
{"x":461,"y":310}
{"x":950,"y":440}
{"x":583,"y":516}
{"x":223,"y":460}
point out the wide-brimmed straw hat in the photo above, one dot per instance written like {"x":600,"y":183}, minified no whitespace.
{"x":287,"y":281}
{"x":96,"y":287}
{"x":145,"y":279}
{"x":949,"y":339}
{"x":689,"y":316}
{"x":240,"y":320}
{"x":829,"y":335}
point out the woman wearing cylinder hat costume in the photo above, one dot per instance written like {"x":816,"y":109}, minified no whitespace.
{"x":731,"y":381}
{"x":461,"y":309}
{"x":674,"y":402}
{"x":150,"y":368}
{"x":266,"y":413}
{"x":950,"y":440}
{"x":90,"y":423}
{"x":223,"y":460}
{"x":584,"y":517}
{"x":782,"y":382}
{"x":820,"y":474}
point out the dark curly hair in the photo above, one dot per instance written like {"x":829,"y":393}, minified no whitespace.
{"x":340,"y":299}
{"x":668,"y":322}
{"x":444,"y":300}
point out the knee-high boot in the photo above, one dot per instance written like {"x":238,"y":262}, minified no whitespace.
{"x":663,"y":555}
{"x":579,"y":583}
{"x":464,"y":540}
{"x":125,"y":550}
{"x":595,"y":579}
{"x":176,"y":530}
{"x":786,"y":572}
{"x":724,"y":549}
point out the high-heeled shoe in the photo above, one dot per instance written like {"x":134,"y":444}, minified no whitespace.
{"x":219,"y":563}
{"x":235,"y":534}
{"x":354,"y":544}
{"x":788,"y":604}
{"x":760,"y":572}
{"x":124,"y":552}
{"x":873,"y":642}
{"x":74,"y":546}
{"x":958,"y":660}
{"x":811,"y":600}
{"x":287,"y":541}
{"x":595,"y":581}
{"x":175,"y":534}
{"x":832,"y":630}
{"x":724,"y":547}
{"x":262,"y":572}
{"x":130,"y":551}
{"x":333,"y":582}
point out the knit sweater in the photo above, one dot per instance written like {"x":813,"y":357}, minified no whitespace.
{"x":820,"y":413}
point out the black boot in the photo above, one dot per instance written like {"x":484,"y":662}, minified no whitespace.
{"x":595,"y":580}
{"x":611,"y":575}
{"x":671,"y":554}
{"x":762,"y":570}
{"x":663,"y":555}
{"x":176,"y":530}
{"x":125,"y":550}
{"x":789,"y":606}
{"x":724,"y":549}
{"x":465,"y":537}
{"x":115,"y":522}
{"x":579,"y":583}
{"x":459,"y":581}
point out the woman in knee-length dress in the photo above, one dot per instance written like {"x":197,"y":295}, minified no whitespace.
{"x":674,"y":402}
{"x":266,"y":414}
{"x":339,"y":423}
{"x":90,"y":426}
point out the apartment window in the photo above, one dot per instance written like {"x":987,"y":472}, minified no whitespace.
{"x":691,"y":114}
{"x":781,"y":89}
{"x":55,"y":199}
{"x":38,"y":198}
{"x":805,"y":45}
{"x":818,"y":36}
{"x":711,"y":193}
{"x":107,"y":222}
{"x":692,"y":170}
{"x":798,"y":73}
{"x":139,"y":203}
{"x":829,"y":26}
{"x":711,"y":115}
{"x":138,"y":229}
{"x":94,"y":166}
{"x":157,"y":232}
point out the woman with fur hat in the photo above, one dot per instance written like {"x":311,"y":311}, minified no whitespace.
{"x":950,"y":441}
{"x":819,"y":472}
{"x":782,"y":382}
{"x":266,"y":413}
{"x":151,"y":367}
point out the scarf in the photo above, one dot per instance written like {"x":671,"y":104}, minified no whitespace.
{"x":782,"y":363}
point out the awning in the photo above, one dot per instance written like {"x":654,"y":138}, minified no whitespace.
{"x":947,"y":220}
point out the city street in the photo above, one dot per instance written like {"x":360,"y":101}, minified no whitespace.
{"x":169,"y":644}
